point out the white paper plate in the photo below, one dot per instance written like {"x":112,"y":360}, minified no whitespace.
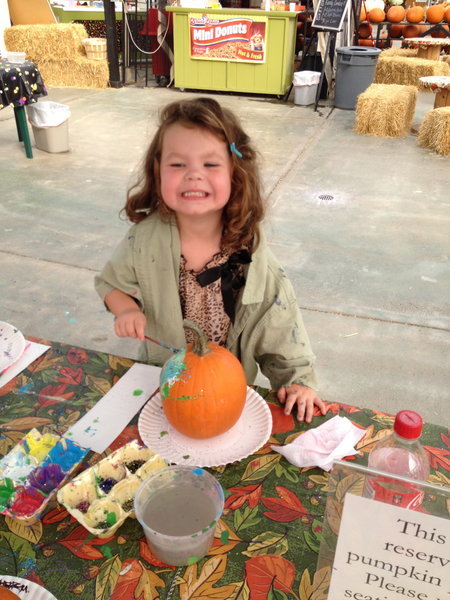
{"x":248,"y":435}
{"x":26,"y":590}
{"x":12,"y":345}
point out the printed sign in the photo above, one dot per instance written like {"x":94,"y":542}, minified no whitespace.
{"x":228,"y":37}
{"x":388,"y":552}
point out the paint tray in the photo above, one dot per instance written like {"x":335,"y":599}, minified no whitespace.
{"x":102,"y":497}
{"x":33,"y":471}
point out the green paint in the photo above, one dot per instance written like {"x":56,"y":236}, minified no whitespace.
{"x":165,"y":389}
{"x":186,"y":457}
{"x":192,"y":560}
{"x":138,"y":393}
{"x":163,"y":433}
{"x":111,"y":518}
{"x":224,"y":536}
{"x":107,"y":552}
{"x":172,"y":371}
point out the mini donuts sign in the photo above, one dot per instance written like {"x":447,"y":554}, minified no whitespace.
{"x":228,"y":38}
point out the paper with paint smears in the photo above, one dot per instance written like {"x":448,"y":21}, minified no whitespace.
{"x":104,"y":422}
{"x":32,"y":351}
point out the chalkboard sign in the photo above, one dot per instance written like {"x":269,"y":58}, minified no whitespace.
{"x":330,"y":14}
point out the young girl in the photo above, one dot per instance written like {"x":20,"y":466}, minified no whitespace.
{"x":196,"y":251}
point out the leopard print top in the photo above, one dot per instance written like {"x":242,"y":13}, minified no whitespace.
{"x":204,"y":305}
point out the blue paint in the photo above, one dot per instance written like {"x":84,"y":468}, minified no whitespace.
{"x":65,"y":453}
{"x":198,"y":471}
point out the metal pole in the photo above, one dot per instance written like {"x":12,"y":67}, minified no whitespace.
{"x":111,"y":43}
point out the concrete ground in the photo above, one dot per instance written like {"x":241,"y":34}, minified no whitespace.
{"x":360,"y":223}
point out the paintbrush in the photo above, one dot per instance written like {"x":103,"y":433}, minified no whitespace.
{"x":161,"y":344}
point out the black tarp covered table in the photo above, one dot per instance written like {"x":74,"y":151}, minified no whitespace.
{"x":20,"y":84}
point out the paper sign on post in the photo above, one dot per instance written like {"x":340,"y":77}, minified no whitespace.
{"x":386,"y":552}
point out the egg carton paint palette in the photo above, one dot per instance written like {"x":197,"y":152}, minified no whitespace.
{"x":102,"y":497}
{"x":33,"y":471}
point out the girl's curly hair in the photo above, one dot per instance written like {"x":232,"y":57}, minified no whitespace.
{"x":244,"y":211}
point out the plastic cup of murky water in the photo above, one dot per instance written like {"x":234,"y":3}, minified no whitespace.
{"x":178,"y":508}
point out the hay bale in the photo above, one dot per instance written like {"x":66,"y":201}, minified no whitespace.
{"x":408,"y":70}
{"x":80,"y":72}
{"x":47,"y":42}
{"x":434,"y":131}
{"x":446,"y":58}
{"x":385,"y":110}
{"x":405,"y":52}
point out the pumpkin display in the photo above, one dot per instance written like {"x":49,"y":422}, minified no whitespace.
{"x":435,"y":13}
{"x":415,"y":14}
{"x":362,"y":14}
{"x":362,"y":42}
{"x":203,"y":387}
{"x":377,"y":15}
{"x":395,"y":14}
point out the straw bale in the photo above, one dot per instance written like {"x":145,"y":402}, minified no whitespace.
{"x":47,"y":42}
{"x":434,"y":131}
{"x":446,"y":58}
{"x":385,"y":110}
{"x":405,"y":52}
{"x":80,"y":72}
{"x":407,"y":70}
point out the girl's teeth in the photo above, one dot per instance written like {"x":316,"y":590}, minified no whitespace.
{"x":195,"y":194}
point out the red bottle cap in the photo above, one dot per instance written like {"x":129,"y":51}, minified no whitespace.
{"x":408,"y":424}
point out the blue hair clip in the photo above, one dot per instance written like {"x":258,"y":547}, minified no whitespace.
{"x":235,"y":150}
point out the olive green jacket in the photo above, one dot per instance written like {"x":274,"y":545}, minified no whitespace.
{"x":268,"y":328}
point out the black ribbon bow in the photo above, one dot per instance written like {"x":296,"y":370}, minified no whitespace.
{"x":230,"y":279}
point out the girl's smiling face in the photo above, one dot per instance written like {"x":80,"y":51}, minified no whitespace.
{"x":195,"y":171}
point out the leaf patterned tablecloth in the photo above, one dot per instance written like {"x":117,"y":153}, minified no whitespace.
{"x":266,"y":544}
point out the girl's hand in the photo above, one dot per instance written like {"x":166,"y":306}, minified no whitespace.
{"x":304,"y":397}
{"x":130,"y":323}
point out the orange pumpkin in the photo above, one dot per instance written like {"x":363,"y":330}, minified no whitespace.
{"x":447,"y":15}
{"x":435,"y":13}
{"x":376,"y":15}
{"x":395,"y":14}
{"x":440,"y":34}
{"x":410,"y":31}
{"x":364,"y":30}
{"x":203,"y":388}
{"x":396,"y":31}
{"x":366,"y":43}
{"x":6,"y":594}
{"x":415,"y":14}
{"x":362,"y":14}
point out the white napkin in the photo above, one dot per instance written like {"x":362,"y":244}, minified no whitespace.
{"x":320,"y":446}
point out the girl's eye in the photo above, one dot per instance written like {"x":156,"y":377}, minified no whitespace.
{"x":176,"y":165}
{"x":211,"y":165}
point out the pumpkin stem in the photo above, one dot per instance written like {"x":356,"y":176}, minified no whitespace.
{"x":200,"y":343}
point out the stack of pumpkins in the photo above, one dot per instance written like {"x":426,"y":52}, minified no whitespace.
{"x":406,"y":23}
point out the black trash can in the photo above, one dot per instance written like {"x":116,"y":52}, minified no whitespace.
{"x":354,"y":73}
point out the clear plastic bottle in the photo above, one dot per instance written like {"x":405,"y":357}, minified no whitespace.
{"x":400,"y":453}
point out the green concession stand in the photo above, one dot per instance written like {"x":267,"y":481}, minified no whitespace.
{"x":234,"y":50}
